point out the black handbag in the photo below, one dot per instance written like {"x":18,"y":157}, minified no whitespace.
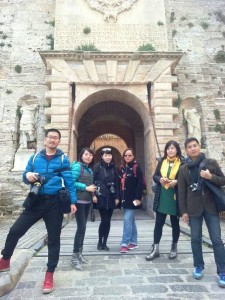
{"x":30,"y":201}
{"x":64,"y":201}
{"x":218,"y":195}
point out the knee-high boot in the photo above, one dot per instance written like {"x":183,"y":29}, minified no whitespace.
{"x":154,"y":252}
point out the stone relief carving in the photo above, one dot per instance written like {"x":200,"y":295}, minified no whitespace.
{"x":27,"y":124}
{"x":193,"y":123}
{"x":110,"y":8}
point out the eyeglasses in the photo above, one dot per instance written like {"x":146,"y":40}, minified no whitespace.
{"x":106,"y":149}
{"x":52,"y":137}
{"x":128,"y":155}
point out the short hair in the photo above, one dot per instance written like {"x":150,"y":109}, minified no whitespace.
{"x":189,"y":140}
{"x":52,"y":130}
{"x":176,"y":145}
{"x":124,"y":152}
{"x":82,"y":152}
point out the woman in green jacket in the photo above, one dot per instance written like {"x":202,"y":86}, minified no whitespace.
{"x":83,"y":181}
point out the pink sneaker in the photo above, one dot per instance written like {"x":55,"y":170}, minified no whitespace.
{"x":123,"y":249}
{"x":4,"y":264}
{"x":132,"y":246}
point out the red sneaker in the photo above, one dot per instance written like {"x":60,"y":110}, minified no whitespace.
{"x":4,"y":264}
{"x":48,"y":283}
{"x":123,"y":249}
{"x":132,"y":246}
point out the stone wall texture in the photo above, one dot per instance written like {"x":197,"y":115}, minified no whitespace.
{"x":195,"y":27}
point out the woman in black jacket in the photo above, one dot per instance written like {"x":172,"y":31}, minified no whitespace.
{"x":166,"y":197}
{"x":131,"y":193}
{"x":106,"y":198}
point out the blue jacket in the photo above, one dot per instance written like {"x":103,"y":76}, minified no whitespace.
{"x":46,"y":168}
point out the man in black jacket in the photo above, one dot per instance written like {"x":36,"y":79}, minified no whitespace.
{"x":196,"y":203}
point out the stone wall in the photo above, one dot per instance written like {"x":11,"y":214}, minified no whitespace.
{"x":193,"y":26}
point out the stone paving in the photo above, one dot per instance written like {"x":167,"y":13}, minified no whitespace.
{"x":111,"y":275}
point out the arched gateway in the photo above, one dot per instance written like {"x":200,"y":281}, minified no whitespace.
{"x":110,"y":93}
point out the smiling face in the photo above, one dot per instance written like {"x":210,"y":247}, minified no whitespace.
{"x":52,"y":140}
{"x":171,"y":151}
{"x":107,"y":157}
{"x":193,"y":150}
{"x":87,"y":157}
{"x":128,"y":156}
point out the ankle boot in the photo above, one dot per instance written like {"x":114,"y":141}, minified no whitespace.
{"x":48,"y":283}
{"x":81,"y":257}
{"x":75,"y":261}
{"x":4,"y":265}
{"x":173,"y":251}
{"x":154,"y":252}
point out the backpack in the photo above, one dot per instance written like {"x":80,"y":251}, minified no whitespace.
{"x":143,"y":179}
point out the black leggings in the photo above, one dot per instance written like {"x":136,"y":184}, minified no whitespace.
{"x":104,"y":227}
{"x":160,"y":221}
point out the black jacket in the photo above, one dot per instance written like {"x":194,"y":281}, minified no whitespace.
{"x":156,"y":177}
{"x":105,"y":177}
{"x":133,"y":188}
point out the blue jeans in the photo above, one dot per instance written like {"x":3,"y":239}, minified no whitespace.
{"x":129,"y":228}
{"x":213,"y":225}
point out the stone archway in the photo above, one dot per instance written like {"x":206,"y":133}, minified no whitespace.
{"x":111,"y":112}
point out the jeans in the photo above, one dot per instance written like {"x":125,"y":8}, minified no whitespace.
{"x":213,"y":225}
{"x":48,"y":209}
{"x":129,"y":228}
{"x":159,"y":223}
{"x":81,"y":218}
{"x":104,"y":227}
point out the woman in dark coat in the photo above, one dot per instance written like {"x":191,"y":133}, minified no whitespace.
{"x":166,"y":198}
{"x":131,"y":194}
{"x":106,"y":198}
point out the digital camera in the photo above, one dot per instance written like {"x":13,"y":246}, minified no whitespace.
{"x":194,"y":187}
{"x":110,"y":185}
{"x":36,"y":186}
{"x":97,"y":191}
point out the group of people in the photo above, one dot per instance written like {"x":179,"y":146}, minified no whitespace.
{"x":102,"y":184}
{"x":179,"y":193}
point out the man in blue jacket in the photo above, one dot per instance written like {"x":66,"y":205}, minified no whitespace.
{"x":48,"y":169}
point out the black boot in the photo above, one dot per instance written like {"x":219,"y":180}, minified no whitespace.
{"x":154,"y":252}
{"x":173,"y":251}
{"x":104,"y":247}
{"x":99,"y":246}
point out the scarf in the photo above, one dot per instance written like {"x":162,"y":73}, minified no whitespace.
{"x":193,"y":166}
{"x":175,"y":163}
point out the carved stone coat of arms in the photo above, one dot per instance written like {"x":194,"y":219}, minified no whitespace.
{"x":110,"y":8}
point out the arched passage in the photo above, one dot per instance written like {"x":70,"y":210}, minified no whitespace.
{"x":112,"y":112}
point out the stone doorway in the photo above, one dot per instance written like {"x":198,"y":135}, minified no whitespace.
{"x":112,"y":118}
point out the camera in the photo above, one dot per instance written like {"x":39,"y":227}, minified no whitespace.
{"x":110,"y":185}
{"x":194,"y":187}
{"x":36,"y":186}
{"x":97,"y":191}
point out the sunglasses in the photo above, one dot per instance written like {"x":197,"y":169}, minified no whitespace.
{"x":106,"y":149}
